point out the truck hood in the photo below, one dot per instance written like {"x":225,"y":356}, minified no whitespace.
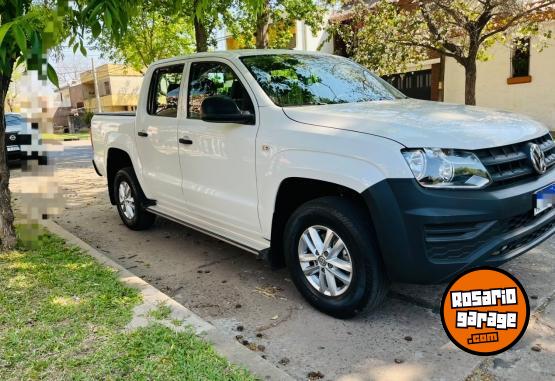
{"x":416,"y":123}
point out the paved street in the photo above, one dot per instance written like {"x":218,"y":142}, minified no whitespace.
{"x":240,"y":294}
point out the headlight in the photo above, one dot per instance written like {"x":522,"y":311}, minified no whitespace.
{"x":447,"y":168}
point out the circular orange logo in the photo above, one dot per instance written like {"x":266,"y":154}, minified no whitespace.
{"x":485,"y":311}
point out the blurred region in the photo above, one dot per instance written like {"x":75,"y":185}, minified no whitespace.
{"x":33,"y":150}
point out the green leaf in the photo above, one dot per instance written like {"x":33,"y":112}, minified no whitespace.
{"x":20,"y":38}
{"x":96,"y":29}
{"x":20,"y":61}
{"x":3,"y":30}
{"x":82,"y":48}
{"x":115,"y":14}
{"x":52,"y":76}
{"x":107,"y":19}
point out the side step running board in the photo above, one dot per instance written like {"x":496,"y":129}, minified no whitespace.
{"x":204,"y":231}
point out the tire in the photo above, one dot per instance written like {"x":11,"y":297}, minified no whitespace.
{"x":367,"y":284}
{"x":131,"y":211}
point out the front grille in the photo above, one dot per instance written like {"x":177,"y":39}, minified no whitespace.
{"x":510,"y":164}
{"x":11,"y":139}
{"x":458,"y":241}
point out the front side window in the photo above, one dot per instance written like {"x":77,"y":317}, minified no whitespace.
{"x":215,"y":78}
{"x":304,"y":79}
{"x":164,"y":91}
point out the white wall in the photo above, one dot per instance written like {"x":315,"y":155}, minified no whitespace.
{"x":536,"y":99}
{"x":64,"y":97}
{"x":308,"y":41}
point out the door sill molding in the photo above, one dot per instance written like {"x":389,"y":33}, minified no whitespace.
{"x":204,"y":231}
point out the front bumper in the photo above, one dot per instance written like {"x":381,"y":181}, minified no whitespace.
{"x":428,"y":236}
{"x":13,"y":152}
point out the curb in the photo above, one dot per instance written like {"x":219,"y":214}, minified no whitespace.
{"x":224,"y":345}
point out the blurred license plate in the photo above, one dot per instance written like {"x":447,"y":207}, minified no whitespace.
{"x":544,"y":199}
{"x":13,"y":148}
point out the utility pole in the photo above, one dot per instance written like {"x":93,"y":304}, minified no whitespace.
{"x":98,"y":105}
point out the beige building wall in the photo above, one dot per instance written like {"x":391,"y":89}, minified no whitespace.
{"x":536,"y":98}
{"x":118,"y":88}
{"x":126,"y":86}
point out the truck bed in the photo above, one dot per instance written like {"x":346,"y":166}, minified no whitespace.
{"x":110,"y":126}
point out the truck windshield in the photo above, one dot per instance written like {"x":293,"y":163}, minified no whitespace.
{"x":14,"y":119}
{"x":303,"y":79}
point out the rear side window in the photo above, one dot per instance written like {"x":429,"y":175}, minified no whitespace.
{"x":163,"y":96}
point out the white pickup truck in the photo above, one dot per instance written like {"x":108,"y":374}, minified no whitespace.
{"x":314,"y":162}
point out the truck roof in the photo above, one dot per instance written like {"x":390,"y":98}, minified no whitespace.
{"x":241,"y":53}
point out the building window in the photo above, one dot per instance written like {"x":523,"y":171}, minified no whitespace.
{"x":520,"y":59}
{"x":107,"y":88}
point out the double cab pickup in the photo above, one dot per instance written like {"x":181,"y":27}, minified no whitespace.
{"x":315,"y":163}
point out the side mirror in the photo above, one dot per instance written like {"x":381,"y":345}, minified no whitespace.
{"x":221,"y":109}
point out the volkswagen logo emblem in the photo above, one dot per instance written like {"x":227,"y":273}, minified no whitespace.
{"x":12,"y":138}
{"x":537,"y":159}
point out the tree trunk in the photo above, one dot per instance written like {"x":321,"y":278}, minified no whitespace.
{"x":201,"y":36}
{"x":262,"y":26}
{"x":470,"y":82}
{"x":8,"y":237}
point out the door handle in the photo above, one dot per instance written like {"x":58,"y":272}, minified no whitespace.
{"x":185,"y":141}
{"x":142,"y":134}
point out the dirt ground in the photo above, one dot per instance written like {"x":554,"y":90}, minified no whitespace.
{"x":240,"y":294}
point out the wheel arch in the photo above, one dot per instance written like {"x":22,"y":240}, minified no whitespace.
{"x":291,"y":194}
{"x":116,"y":160}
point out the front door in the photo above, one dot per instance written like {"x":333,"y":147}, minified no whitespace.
{"x":218,"y":159}
{"x":156,"y":136}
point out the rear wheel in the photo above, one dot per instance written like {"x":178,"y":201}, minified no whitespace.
{"x":332,"y":256}
{"x":130,"y":200}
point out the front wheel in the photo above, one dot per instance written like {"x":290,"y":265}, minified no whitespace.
{"x":332,"y":256}
{"x":130,"y":200}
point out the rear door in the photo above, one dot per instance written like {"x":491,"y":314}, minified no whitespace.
{"x":156,"y":135}
{"x":218,"y":159}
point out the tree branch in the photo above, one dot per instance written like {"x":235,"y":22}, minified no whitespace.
{"x":513,"y":20}
{"x":434,"y":30}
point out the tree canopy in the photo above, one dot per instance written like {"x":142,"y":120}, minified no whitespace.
{"x":28,"y":31}
{"x":389,"y":35}
{"x":271,"y":25}
{"x":153,"y":34}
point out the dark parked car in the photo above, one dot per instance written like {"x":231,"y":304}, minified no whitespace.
{"x":17,"y":135}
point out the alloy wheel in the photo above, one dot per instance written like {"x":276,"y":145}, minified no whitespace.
{"x":126,"y":200}
{"x":325,"y":260}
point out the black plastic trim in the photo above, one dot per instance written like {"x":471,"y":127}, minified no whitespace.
{"x":96,"y":169}
{"x":400,"y":210}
